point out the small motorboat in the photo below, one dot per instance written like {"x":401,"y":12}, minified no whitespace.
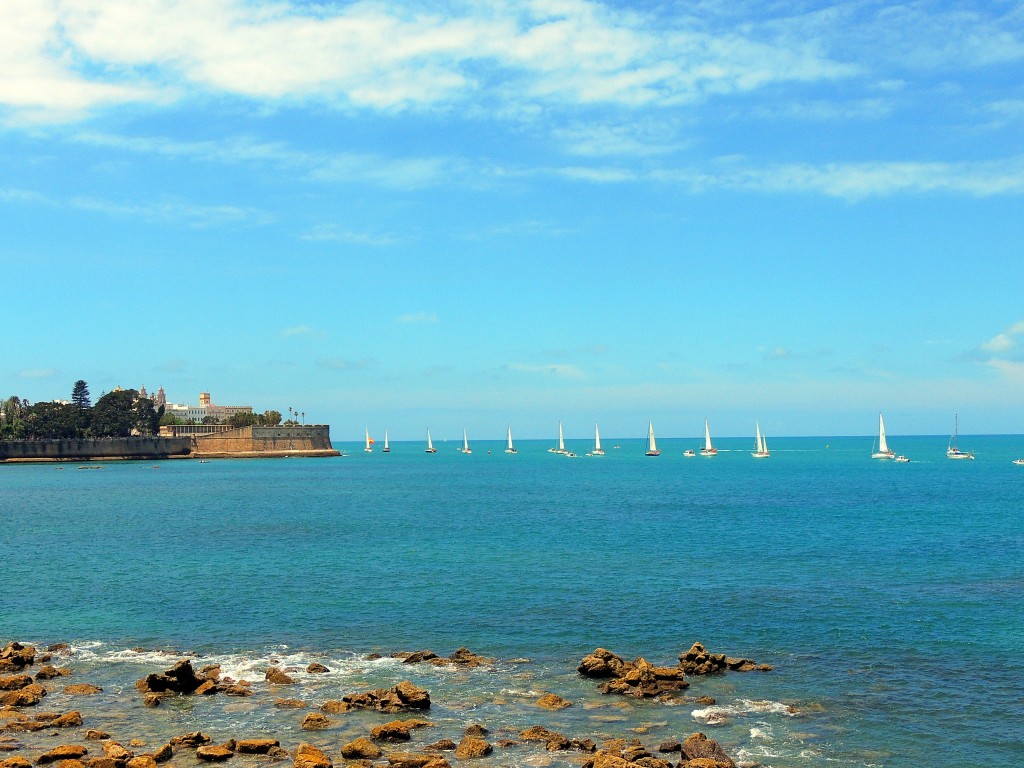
{"x":901,"y":459}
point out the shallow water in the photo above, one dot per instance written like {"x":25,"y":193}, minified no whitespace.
{"x":887,"y":596}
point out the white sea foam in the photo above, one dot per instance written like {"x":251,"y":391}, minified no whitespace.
{"x":719,"y":714}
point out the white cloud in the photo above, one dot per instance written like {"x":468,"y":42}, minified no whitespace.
{"x":552,"y":370}
{"x":1005,"y":341}
{"x":37,"y":373}
{"x":298,"y":330}
{"x":331,"y":233}
{"x":341,"y":364}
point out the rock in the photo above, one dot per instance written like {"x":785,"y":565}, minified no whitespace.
{"x":361,"y":749}
{"x":14,"y":655}
{"x":214,"y":754}
{"x":442,"y":745}
{"x":190,"y":740}
{"x":63,"y":752}
{"x":698,"y":661}
{"x":475,"y":729}
{"x":465,"y":657}
{"x":289,"y":703}
{"x":28,"y":696}
{"x":552,"y":701}
{"x":163,"y":753}
{"x":396,"y":730}
{"x":206,"y":688}
{"x":136,"y":743}
{"x":71,"y":719}
{"x":71,"y":763}
{"x":152,"y":699}
{"x":700,"y":747}
{"x":15,"y":762}
{"x":235,"y":690}
{"x":316,"y":668}
{"x":335,"y":707}
{"x":96,"y":735}
{"x":670,"y":746}
{"x":7,"y":744}
{"x":411,"y":760}
{"x":471,"y":747}
{"x":14,"y":682}
{"x":416,"y":657}
{"x":106,"y":762}
{"x":82,"y":689}
{"x":316,"y":721}
{"x":403,"y":697}
{"x":553,"y":740}
{"x":308,"y":756}
{"x":180,"y":678}
{"x":601,"y":663}
{"x":256,"y":746}
{"x":277,"y":676}
{"x":49,"y":672}
{"x":145,"y":761}
{"x":115,"y":751}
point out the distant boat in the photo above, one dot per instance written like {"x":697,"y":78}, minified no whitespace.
{"x":561,"y":442}
{"x":689,"y":452}
{"x":901,"y":459}
{"x":509,"y":448}
{"x":883,"y":452}
{"x":652,"y":446}
{"x":760,"y":444}
{"x":465,"y":443}
{"x":953,"y":451}
{"x":430,"y":444}
{"x":598,"y":450}
{"x":387,"y":449}
{"x":369,"y":442}
{"x":1019,"y":462}
{"x":708,"y":449}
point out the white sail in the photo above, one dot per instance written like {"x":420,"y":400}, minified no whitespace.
{"x":368,"y":447}
{"x":430,"y":444}
{"x":953,"y":451}
{"x":597,"y":439}
{"x":652,"y":445}
{"x":707,"y":436}
{"x":561,"y":439}
{"x":387,"y":448}
{"x":760,"y":444}
{"x":509,"y":448}
{"x":883,"y":446}
{"x":465,"y":443}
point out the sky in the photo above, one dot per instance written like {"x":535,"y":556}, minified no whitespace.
{"x":402,"y":215}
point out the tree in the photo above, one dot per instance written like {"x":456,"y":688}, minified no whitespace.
{"x":114,"y":414}
{"x":80,"y":395}
{"x":169,"y":419}
{"x":270,"y":418}
{"x":243,"y":419}
{"x":52,"y":421}
{"x":146,"y":417}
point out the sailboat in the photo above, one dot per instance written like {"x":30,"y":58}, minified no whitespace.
{"x":883,"y":452}
{"x":952,"y":451}
{"x":760,"y":444}
{"x":652,"y":446}
{"x":509,"y":448}
{"x":561,"y":442}
{"x":430,"y":444}
{"x":708,"y":449}
{"x":598,"y":450}
{"x":369,"y":442}
{"x":465,"y":443}
{"x":387,"y":448}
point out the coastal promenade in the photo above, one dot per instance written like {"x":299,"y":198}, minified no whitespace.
{"x":313,"y":440}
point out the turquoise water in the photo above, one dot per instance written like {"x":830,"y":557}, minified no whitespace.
{"x":888,"y":597}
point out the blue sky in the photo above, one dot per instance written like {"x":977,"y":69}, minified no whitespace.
{"x":413,"y":214}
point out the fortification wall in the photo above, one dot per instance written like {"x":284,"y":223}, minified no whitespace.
{"x":84,"y":449}
{"x":267,"y":440}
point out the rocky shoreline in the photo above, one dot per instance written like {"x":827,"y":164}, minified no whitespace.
{"x":33,"y":737}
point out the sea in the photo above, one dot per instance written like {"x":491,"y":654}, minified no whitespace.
{"x":888,"y":598}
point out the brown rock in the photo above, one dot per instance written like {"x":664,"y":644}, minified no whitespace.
{"x":442,"y":745}
{"x":15,"y":762}
{"x":413,"y":696}
{"x":116,"y":751}
{"x":308,"y":756}
{"x":552,"y":701}
{"x":607,"y":759}
{"x":553,"y":740}
{"x":277,"y":676}
{"x":163,"y":753}
{"x":214,"y":754}
{"x":107,"y":762}
{"x":190,"y":740}
{"x":63,"y":752}
{"x":256,"y":746}
{"x":403,"y":697}
{"x":601,"y":663}
{"x":136,"y":743}
{"x":471,"y":747}
{"x":180,"y":678}
{"x":236,"y":690}
{"x":361,"y":749}
{"x":335,"y":707}
{"x":152,"y":699}
{"x":466,"y":658}
{"x":396,"y":730}
{"x":28,"y":696}
{"x":670,"y":746}
{"x":290,"y":703}
{"x":475,"y":729}
{"x":415,"y":760}
{"x":699,"y":746}
{"x":82,"y":689}
{"x":206,"y":688}
{"x":416,"y":657}
{"x":96,"y":735}
{"x":146,"y":761}
{"x":49,"y":672}
{"x":316,"y":721}
{"x":316,"y":668}
{"x":71,"y":763}
{"x":17,"y":655}
{"x":71,"y":719}
{"x":14,"y":682}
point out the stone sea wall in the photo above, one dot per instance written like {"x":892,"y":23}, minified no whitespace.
{"x":267,"y":440}
{"x":81,"y":449}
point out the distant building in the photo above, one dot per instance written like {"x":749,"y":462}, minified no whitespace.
{"x":196,"y":413}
